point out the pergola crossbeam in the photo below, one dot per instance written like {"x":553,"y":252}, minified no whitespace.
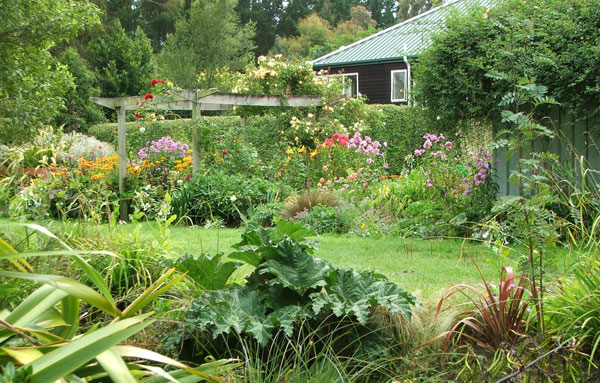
{"x":196,"y":101}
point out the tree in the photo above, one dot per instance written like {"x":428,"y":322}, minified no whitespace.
{"x":318,"y":38}
{"x":559,"y":50}
{"x":210,"y":38}
{"x":411,"y":8}
{"x":33,"y":81}
{"x":158,"y":18}
{"x":382,"y":11}
{"x":80,"y":113}
{"x":313,"y":31}
{"x":265,"y":14}
{"x":124,"y":65}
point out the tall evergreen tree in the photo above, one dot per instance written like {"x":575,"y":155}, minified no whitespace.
{"x":266,"y":15}
{"x":211,"y":37}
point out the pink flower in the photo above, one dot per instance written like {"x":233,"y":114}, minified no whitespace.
{"x":448,"y":145}
{"x":224,"y":152}
{"x":187,"y":178}
{"x":325,"y":168}
{"x":322,"y":180}
{"x":386,"y":165}
{"x":429,"y":183}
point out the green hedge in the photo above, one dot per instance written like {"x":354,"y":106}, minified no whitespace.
{"x":139,"y":132}
{"x":402,"y":127}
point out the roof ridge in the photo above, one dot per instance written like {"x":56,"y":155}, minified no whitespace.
{"x":400,"y":24}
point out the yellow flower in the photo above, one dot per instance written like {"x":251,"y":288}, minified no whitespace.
{"x":98,"y":176}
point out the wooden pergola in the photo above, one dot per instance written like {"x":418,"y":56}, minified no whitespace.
{"x":195,"y":100}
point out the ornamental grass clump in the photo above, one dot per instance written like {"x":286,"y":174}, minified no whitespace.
{"x":306,"y":200}
{"x":497,"y":318}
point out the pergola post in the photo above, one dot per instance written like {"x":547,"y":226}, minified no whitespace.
{"x":122,"y":151}
{"x":196,"y":101}
{"x":196,"y":114}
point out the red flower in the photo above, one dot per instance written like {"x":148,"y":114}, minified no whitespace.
{"x":224,"y":152}
{"x":187,"y":178}
{"x":148,"y":96}
{"x":138,"y":115}
{"x":162,"y":81}
{"x":154,"y":82}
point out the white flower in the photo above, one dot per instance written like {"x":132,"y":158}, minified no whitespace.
{"x":142,"y":129}
{"x":233,"y":198}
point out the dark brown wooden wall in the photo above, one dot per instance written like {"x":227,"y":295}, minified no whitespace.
{"x":374,"y":80}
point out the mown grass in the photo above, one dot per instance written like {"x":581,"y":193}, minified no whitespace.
{"x":425,"y":267}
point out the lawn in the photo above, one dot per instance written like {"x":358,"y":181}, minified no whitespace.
{"x":425,"y":267}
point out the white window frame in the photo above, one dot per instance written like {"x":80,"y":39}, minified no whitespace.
{"x":406,"y":80}
{"x":344,"y":75}
{"x":349,"y":75}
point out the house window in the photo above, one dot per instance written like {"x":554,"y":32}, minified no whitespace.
{"x":350,"y":83}
{"x":399,"y":85}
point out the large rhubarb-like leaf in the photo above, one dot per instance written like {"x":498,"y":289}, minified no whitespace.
{"x":295,"y":268}
{"x":205,"y":269}
{"x":353,"y":294}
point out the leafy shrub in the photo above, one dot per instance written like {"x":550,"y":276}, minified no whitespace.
{"x":289,"y":289}
{"x":266,"y":214}
{"x":423,"y":219}
{"x":327,"y":219}
{"x":219,"y":195}
{"x":306,"y":200}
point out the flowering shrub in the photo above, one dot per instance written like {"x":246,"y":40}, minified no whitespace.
{"x":445,"y":170}
{"x":161,"y":92}
{"x":348,"y":163}
{"x":278,"y":76}
{"x":309,"y":126}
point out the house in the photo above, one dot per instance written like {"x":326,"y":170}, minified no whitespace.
{"x":379,"y":66}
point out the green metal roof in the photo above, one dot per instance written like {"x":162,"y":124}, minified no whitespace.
{"x":407,"y":38}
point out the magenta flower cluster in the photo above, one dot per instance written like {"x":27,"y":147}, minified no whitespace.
{"x":480,"y":163}
{"x":366,"y":146}
{"x":165,"y":145}
{"x":431,"y":139}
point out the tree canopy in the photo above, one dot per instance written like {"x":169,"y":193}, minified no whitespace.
{"x":552,"y":43}
{"x":210,"y":38}
{"x":33,"y":80}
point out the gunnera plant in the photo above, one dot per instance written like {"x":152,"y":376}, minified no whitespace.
{"x":306,"y":200}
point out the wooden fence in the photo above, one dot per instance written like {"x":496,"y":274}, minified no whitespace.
{"x":573,"y":139}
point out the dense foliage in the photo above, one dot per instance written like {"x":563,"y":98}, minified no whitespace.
{"x":34,"y":81}
{"x":553,"y":42}
{"x":288,"y":290}
{"x":209,"y":38}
